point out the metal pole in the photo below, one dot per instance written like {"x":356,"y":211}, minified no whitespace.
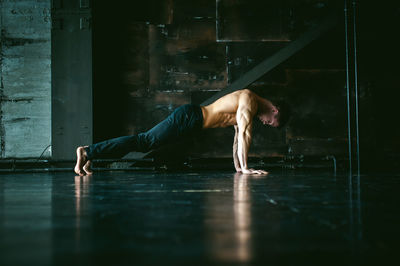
{"x":356,"y":85}
{"x":348,"y":87}
{"x":359,"y":220}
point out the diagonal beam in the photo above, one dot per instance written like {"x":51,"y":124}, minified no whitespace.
{"x":276,"y":59}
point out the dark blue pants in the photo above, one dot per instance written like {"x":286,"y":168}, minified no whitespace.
{"x":183,"y":121}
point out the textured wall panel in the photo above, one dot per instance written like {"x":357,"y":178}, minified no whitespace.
{"x":26,"y":78}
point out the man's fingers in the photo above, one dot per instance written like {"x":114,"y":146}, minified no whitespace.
{"x":256,"y":172}
{"x":260,"y":172}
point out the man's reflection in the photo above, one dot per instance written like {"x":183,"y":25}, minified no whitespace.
{"x":229,"y":222}
{"x":81,"y":192}
{"x":242,"y":216}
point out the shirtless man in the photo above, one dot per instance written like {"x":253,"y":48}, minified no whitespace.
{"x":235,"y":109}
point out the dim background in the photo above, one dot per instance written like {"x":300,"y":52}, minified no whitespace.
{"x":147,"y":58}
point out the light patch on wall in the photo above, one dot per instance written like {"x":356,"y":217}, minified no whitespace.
{"x":25,"y":123}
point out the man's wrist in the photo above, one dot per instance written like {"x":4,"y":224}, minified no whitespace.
{"x":245,"y":170}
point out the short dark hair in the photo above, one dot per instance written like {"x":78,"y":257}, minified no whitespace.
{"x":285,"y":112}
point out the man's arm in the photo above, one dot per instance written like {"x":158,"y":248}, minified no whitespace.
{"x":235,"y":150}
{"x":247,"y":108}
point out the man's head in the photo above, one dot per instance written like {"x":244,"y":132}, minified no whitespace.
{"x":277,"y":115}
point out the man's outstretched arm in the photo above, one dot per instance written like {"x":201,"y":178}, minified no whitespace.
{"x":247,"y":109}
{"x":235,"y":150}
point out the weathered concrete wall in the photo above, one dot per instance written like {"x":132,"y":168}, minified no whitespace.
{"x":25,"y":121}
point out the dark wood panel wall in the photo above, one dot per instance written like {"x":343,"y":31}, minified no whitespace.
{"x":155,"y":62}
{"x":151,"y":57}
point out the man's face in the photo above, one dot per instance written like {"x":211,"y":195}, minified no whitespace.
{"x":271,"y":118}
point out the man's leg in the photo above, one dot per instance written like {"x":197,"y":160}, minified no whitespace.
{"x":182,"y":121}
{"x":108,"y":149}
{"x":118,"y":147}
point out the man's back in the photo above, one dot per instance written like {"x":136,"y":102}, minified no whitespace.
{"x":222,"y":113}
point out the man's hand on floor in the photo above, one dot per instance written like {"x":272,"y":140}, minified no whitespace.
{"x":254,"y":172}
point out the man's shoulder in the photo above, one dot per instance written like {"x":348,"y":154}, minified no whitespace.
{"x":247,"y":100}
{"x":247,"y":94}
{"x":246,"y":91}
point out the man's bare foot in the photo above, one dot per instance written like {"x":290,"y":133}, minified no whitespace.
{"x":81,"y":160}
{"x":88,"y":167}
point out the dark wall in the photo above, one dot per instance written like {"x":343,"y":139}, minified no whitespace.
{"x":148,"y":60}
{"x":153,"y":56}
{"x":379,"y":56}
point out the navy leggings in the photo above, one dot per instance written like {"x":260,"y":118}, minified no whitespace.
{"x":183,"y":121}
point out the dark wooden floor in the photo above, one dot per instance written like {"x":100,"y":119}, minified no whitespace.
{"x":198,"y":218}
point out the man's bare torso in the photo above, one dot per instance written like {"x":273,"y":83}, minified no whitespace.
{"x":222,"y":113}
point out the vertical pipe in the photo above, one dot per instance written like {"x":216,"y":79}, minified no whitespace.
{"x":348,"y":87}
{"x":356,"y":85}
{"x":359,"y":219}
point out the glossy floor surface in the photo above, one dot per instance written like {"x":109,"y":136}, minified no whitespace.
{"x":206,"y":218}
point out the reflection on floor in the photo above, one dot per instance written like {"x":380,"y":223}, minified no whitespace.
{"x":206,"y":218}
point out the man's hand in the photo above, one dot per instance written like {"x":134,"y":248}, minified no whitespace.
{"x":254,"y":172}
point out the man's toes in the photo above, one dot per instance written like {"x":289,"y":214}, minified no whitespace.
{"x":88,"y":167}
{"x":87,"y":171}
{"x":80,"y":172}
{"x":77,"y":170}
